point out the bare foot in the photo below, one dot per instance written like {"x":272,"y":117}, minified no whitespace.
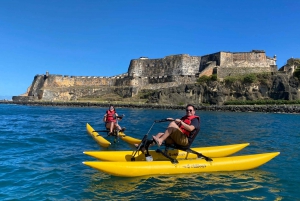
{"x":157,"y":140}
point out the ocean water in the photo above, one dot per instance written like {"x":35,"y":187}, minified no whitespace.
{"x":41,"y":156}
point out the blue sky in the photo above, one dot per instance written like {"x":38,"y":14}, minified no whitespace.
{"x":100,"y":37}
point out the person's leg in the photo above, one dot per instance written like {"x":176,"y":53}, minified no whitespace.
{"x":117,"y":126}
{"x":107,"y":125}
{"x":157,"y":135}
{"x":171,"y":128}
{"x":111,"y":128}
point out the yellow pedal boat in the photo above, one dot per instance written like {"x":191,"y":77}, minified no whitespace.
{"x":213,"y":151}
{"x":142,"y":168}
{"x":98,"y":138}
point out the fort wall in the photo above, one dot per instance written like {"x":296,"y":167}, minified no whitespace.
{"x":238,"y":63}
{"x":209,"y":69}
{"x":68,"y":81}
{"x":63,"y":87}
{"x":171,"y":65}
{"x":232,"y":71}
{"x":144,"y":73}
{"x":162,"y":82}
{"x":37,"y":84}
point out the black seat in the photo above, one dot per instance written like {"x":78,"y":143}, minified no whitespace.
{"x":185,"y":148}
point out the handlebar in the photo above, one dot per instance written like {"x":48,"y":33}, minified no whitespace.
{"x":163,"y":120}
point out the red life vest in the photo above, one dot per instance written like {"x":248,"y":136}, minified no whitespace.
{"x":110,"y":116}
{"x":188,"y":121}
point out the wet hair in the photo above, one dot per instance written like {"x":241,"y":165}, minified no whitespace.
{"x":190,"y":105}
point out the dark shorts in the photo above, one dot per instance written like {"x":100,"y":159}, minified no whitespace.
{"x":178,"y":137}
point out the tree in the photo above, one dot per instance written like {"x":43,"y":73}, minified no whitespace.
{"x":297,"y":73}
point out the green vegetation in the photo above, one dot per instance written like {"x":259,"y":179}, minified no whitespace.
{"x":232,"y":79}
{"x":249,"y":78}
{"x":181,"y":103}
{"x":206,"y":78}
{"x":264,"y":78}
{"x":145,"y":94}
{"x":295,"y":62}
{"x":262,"y":102}
{"x":297,"y":73}
{"x":214,"y":77}
{"x":203,"y":79}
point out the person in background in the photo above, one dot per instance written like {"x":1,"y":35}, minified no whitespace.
{"x":110,"y":119}
{"x":180,"y":131}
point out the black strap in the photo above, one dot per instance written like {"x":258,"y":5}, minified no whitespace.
{"x":139,"y":147}
{"x":173,"y":160}
{"x":188,"y":150}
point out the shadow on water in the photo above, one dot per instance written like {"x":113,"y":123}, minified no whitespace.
{"x":240,"y":185}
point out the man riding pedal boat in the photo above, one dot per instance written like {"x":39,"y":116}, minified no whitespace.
{"x":180,"y":131}
{"x":180,"y":134}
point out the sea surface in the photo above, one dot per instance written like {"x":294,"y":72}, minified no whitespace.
{"x":41,"y":156}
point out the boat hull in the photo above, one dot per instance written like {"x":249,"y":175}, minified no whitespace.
{"x":98,"y":138}
{"x":143,"y":168}
{"x":131,"y":140}
{"x":213,"y":151}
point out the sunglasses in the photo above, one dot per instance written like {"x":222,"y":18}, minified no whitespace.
{"x":189,"y":110}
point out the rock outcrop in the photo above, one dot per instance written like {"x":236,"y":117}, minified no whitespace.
{"x":279,"y":86}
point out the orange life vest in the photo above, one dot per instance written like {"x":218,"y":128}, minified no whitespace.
{"x":110,"y":116}
{"x":188,"y":121}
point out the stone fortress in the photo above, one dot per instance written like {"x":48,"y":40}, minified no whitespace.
{"x":145,"y":73}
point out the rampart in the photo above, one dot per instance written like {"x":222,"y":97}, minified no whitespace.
{"x":161,"y":82}
{"x":59,"y":87}
{"x":77,"y":81}
{"x":183,"y":64}
{"x":144,"y":73}
{"x":238,"y":63}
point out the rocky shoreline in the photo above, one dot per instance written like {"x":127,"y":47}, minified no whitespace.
{"x":225,"y":108}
